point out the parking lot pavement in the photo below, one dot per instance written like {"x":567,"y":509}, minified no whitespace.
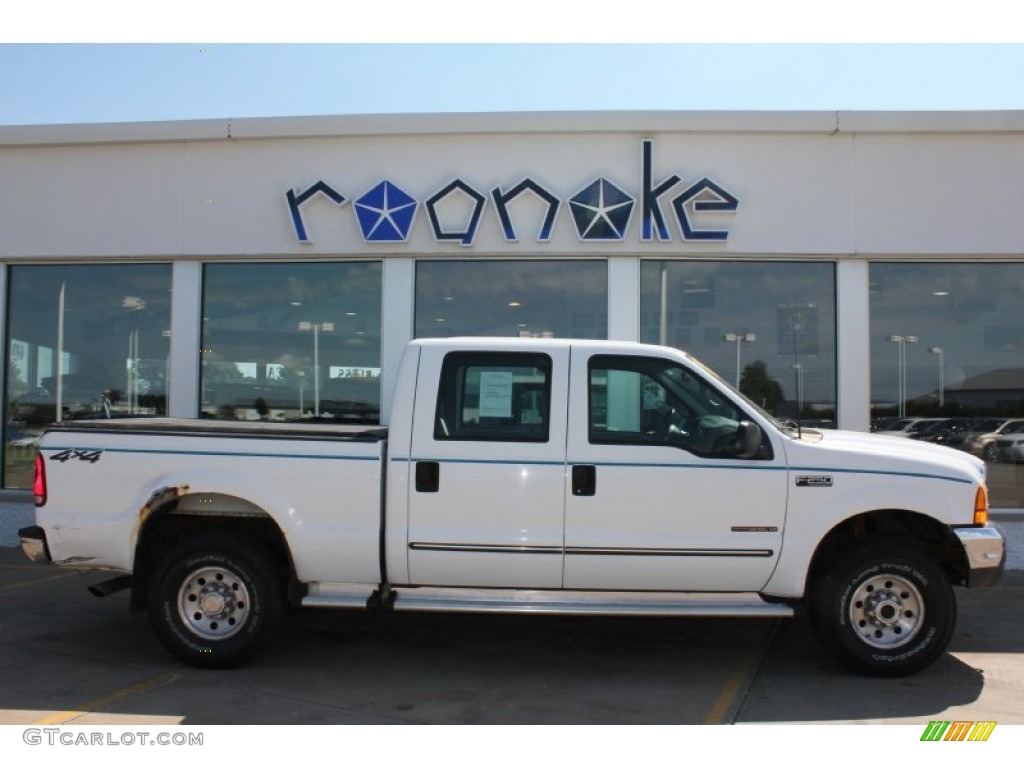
{"x":68,"y":658}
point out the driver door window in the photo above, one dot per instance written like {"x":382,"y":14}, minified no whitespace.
{"x":646,"y":401}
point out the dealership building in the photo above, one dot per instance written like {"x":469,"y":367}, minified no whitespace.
{"x":839,"y":266}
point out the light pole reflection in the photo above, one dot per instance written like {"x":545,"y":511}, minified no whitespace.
{"x":901,"y":370}
{"x":134,"y":305}
{"x":942,"y":374}
{"x":316,"y":328}
{"x":739,"y":338}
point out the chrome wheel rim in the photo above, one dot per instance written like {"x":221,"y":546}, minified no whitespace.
{"x":886,"y":611}
{"x":213,"y":603}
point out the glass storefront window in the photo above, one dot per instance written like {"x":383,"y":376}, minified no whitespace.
{"x":947,"y":344}
{"x":767,"y":327}
{"x":284,"y":342}
{"x":84,"y":342}
{"x":567,"y":299}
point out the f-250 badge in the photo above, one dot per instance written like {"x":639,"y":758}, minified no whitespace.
{"x":814,"y":481}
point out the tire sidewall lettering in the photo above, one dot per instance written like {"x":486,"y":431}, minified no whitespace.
{"x":250,"y":564}
{"x":834,"y":617}
{"x":909,"y":653}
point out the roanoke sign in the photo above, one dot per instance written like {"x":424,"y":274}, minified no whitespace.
{"x":599,"y":212}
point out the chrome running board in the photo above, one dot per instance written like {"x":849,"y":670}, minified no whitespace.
{"x":554,"y":602}
{"x":565,"y":602}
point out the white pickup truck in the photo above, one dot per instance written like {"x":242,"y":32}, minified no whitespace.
{"x":524,"y":475}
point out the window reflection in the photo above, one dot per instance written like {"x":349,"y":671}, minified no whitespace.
{"x":85,"y":342}
{"x":512,"y":298}
{"x":767,"y":327}
{"x":644,"y":401}
{"x":284,"y":342}
{"x":947,"y":344}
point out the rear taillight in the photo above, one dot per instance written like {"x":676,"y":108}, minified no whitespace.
{"x":39,"y":484}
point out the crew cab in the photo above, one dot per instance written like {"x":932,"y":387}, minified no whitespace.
{"x":524,"y":475}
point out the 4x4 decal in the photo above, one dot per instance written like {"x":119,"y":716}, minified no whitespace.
{"x":92,"y":456}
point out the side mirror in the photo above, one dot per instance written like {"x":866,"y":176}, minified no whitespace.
{"x":748,"y":440}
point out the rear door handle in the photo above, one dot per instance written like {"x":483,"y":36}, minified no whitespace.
{"x":584,"y":480}
{"x":428,"y":476}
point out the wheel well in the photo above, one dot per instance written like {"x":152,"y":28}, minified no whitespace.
{"x":911,"y":528}
{"x":175,"y":520}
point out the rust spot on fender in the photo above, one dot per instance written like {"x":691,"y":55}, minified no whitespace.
{"x":157,"y":500}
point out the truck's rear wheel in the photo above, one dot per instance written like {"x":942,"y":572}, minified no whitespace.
{"x":216,"y":600}
{"x":884,"y":609}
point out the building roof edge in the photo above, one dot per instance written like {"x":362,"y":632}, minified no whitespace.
{"x":234,"y":129}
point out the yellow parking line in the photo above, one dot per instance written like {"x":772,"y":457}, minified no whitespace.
{"x":19,"y":584}
{"x":91,"y":706}
{"x":737,"y":681}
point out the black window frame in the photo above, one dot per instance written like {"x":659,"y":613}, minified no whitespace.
{"x":451,"y":391}
{"x":644,"y":365}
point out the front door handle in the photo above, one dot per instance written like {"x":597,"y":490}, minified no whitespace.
{"x":584,"y":480}
{"x":428,"y":476}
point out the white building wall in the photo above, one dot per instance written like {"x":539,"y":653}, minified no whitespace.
{"x":927,"y":195}
{"x":811,"y":190}
{"x":88,"y":201}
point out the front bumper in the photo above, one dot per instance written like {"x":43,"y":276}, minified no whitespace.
{"x":985,"y":548}
{"x":33,"y":544}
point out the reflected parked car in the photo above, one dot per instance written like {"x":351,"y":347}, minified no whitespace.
{"x":979,"y":425}
{"x":940,"y":432}
{"x":1009,"y":446}
{"x":889,"y":424}
{"x":909,"y":427}
{"x":983,"y":443}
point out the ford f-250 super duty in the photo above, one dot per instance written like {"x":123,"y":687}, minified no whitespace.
{"x":533,"y":475}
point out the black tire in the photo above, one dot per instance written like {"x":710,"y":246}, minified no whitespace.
{"x":884,"y":609}
{"x":216,"y":600}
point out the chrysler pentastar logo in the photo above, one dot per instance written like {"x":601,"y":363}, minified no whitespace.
{"x":601,"y":211}
{"x":385,"y":214}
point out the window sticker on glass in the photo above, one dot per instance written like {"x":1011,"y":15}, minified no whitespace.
{"x":495,"y":394}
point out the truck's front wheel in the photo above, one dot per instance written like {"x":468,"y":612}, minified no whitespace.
{"x":215,"y":600}
{"x":884,"y":609}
